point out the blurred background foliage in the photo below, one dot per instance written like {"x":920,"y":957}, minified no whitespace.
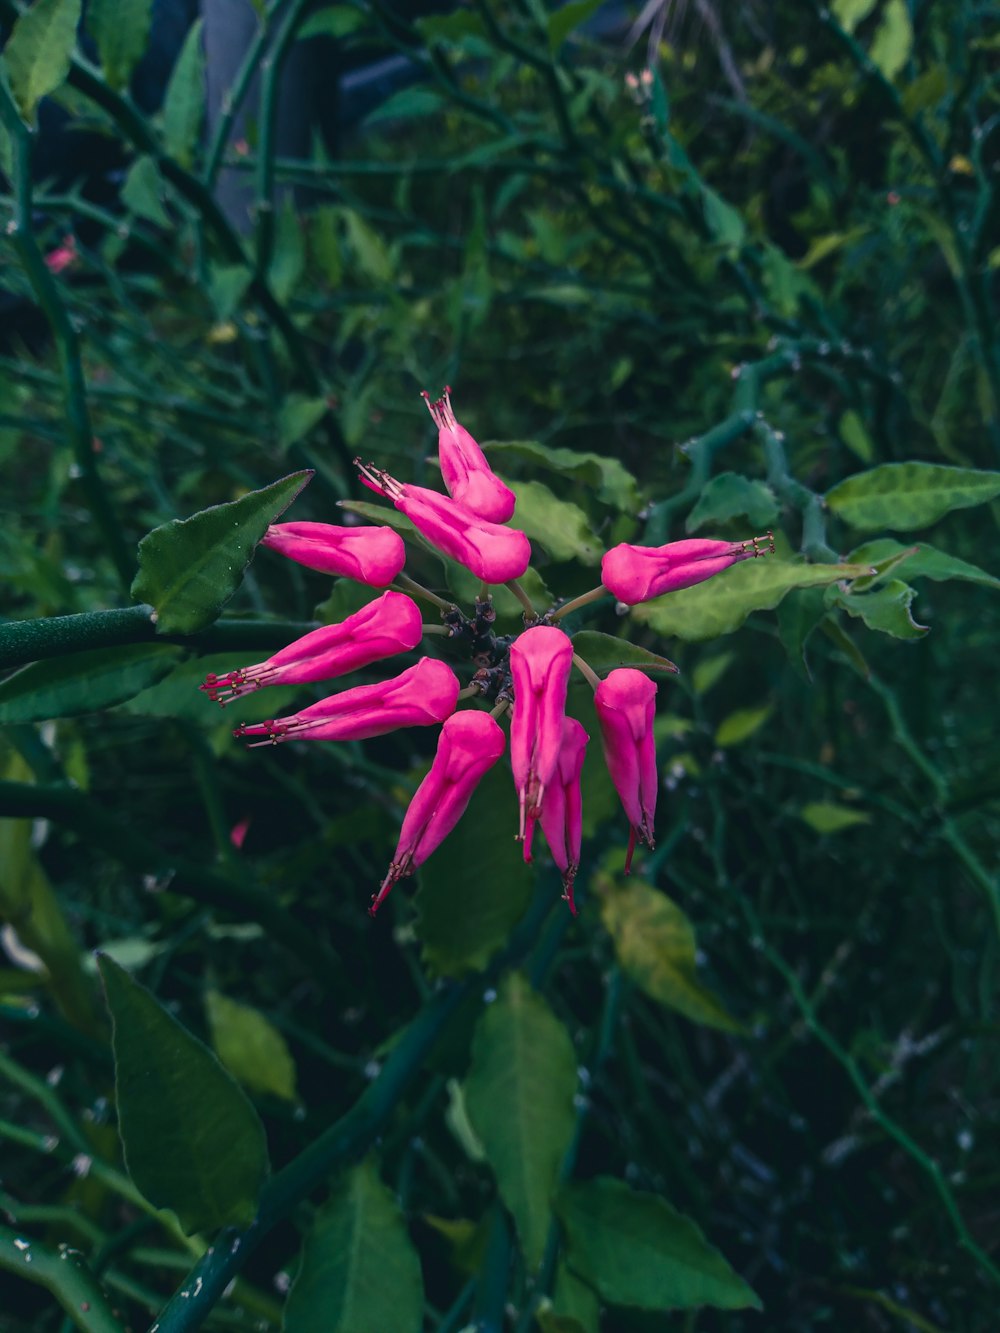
{"x":766,"y":265}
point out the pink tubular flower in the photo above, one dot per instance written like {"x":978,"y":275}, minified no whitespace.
{"x":372,"y":555}
{"x":625,"y":704}
{"x":638,"y":573}
{"x":469,"y":478}
{"x":540,"y":662}
{"x":562,"y":813}
{"x":470,"y":743}
{"x":391,"y":624}
{"x":424,"y":694}
{"x":493,"y":553}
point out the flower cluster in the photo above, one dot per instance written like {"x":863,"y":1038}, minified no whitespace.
{"x":525,"y":677}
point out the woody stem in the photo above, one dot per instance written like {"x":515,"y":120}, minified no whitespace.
{"x":584,"y":599}
{"x":587,"y":671}
{"x":418,"y":590}
{"x":513,"y":586}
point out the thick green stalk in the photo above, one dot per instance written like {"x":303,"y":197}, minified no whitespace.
{"x":65,"y":1275}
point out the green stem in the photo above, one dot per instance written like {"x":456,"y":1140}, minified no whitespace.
{"x":65,"y":1275}
{"x":530,"y":614}
{"x":591,"y":675}
{"x":418,"y":590}
{"x":78,"y":425}
{"x":236,"y":95}
{"x":585,"y":599}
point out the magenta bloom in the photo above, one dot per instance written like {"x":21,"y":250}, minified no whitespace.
{"x":540,"y":662}
{"x":389,"y":625}
{"x":638,"y":573}
{"x":423,"y":694}
{"x":372,"y":555}
{"x":626,"y":703}
{"x":562,"y":813}
{"x":470,"y":743}
{"x":469,"y":478}
{"x":493,"y":553}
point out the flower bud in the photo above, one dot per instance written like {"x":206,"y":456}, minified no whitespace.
{"x":626,"y":703}
{"x":540,"y":662}
{"x":636,"y":574}
{"x":562,"y":813}
{"x":372,"y":555}
{"x":469,"y":478}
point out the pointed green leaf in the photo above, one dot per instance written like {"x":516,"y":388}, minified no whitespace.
{"x":193,"y":1143}
{"x":143,"y":192}
{"x":39,"y":50}
{"x":408,"y":104}
{"x":740,"y":725}
{"x":567,"y":18}
{"x":606,"y":478}
{"x":730,"y":496}
{"x":720,"y":605}
{"x":903,"y":496}
{"x":605,"y":652}
{"x":298,"y":415}
{"x":856,"y":437}
{"x":829,"y":817}
{"x":886,"y":609}
{"x":560,"y":526}
{"x":710,"y":671}
{"x":637,"y":1250}
{"x":121,"y":30}
{"x":227,"y":286}
{"x":332,"y":21}
{"x":184,"y":101}
{"x":476,"y":885}
{"x":360,"y":1272}
{"x":893,"y":40}
{"x":655,"y":945}
{"x":576,"y":1300}
{"x":251,"y":1047}
{"x":849,"y":13}
{"x":190,"y":568}
{"x":519,"y":1096}
{"x":83,"y":682}
{"x":289,"y":256}
{"x":923,"y":561}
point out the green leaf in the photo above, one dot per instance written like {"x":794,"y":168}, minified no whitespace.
{"x":184,"y":101}
{"x":605,"y":652}
{"x":567,"y":18}
{"x":923,"y":561}
{"x":893,"y":39}
{"x":324,"y":239}
{"x":740,"y":725}
{"x":121,"y":30}
{"x":227,"y":285}
{"x":575,"y":1300}
{"x":637,"y":1250}
{"x":729,"y":496}
{"x":828,"y":817}
{"x":798,"y":616}
{"x":298,"y":416}
{"x":143,"y":192}
{"x":359,"y":1269}
{"x":451,"y":27}
{"x":519,"y":1095}
{"x":289,"y":258}
{"x":849,"y":13}
{"x":856,"y":437}
{"x":251,"y":1047}
{"x":559,"y":526}
{"x":903,"y":496}
{"x":83,"y":682}
{"x":724,"y":222}
{"x":720,"y":605}
{"x":177,"y":694}
{"x":190,"y":568}
{"x":476,"y":885}
{"x":193,"y":1143}
{"x":39,"y":50}
{"x":708,"y":672}
{"x":604,"y":478}
{"x":656,"y":947}
{"x":886,"y":609}
{"x":369,"y":249}
{"x":335,"y":21}
{"x":408,"y":104}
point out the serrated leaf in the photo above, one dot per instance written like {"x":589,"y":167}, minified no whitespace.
{"x":334,"y":21}
{"x":730,"y":496}
{"x":359,"y":1269}
{"x":886,"y":609}
{"x":519,"y":1095}
{"x":893,"y":40}
{"x":656,"y":947}
{"x":184,"y":100}
{"x":740,"y":725}
{"x":250,"y":1046}
{"x":606,"y":478}
{"x":559,"y":526}
{"x":121,"y":30}
{"x":923,"y":561}
{"x":190,"y":568}
{"x":476,"y":885}
{"x":193,"y":1143}
{"x":720,"y":605}
{"x":606,"y":652}
{"x":903,"y":496}
{"x":829,"y":817}
{"x":39,"y":50}
{"x":142,"y":192}
{"x":637,"y":1250}
{"x":83,"y":682}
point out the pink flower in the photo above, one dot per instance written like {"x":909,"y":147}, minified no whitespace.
{"x":470,"y":743}
{"x":423,"y":694}
{"x":562,"y":813}
{"x":493,"y":553}
{"x":391,"y":624}
{"x":62,"y":256}
{"x":625,"y":703}
{"x":372,"y":555}
{"x":469,"y":478}
{"x":637,"y":573}
{"x":540,"y":662}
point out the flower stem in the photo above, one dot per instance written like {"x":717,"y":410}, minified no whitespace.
{"x":587,"y":671}
{"x":437,"y":629}
{"x":418,"y":590}
{"x":471,"y":691}
{"x":500,"y":709}
{"x":584,"y":599}
{"x":513,"y":586}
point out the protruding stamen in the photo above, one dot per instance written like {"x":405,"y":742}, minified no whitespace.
{"x":379,"y":480}
{"x":752,"y":546}
{"x":440,"y":409}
